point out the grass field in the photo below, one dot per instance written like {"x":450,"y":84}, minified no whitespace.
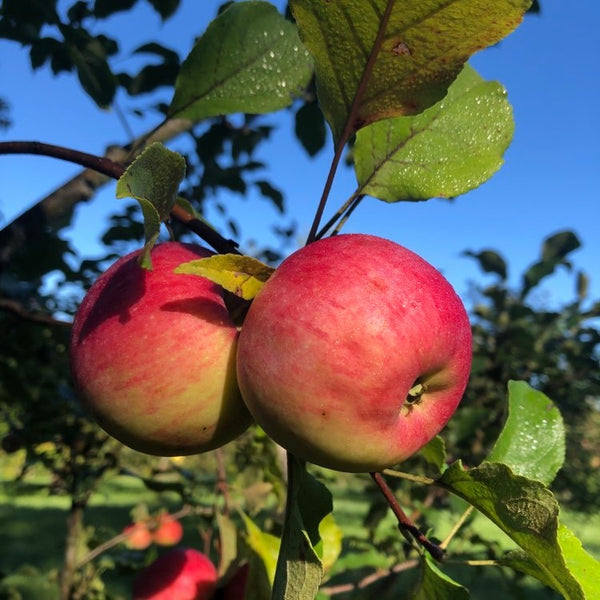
{"x":32,"y":527}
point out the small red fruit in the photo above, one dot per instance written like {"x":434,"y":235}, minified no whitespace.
{"x":168,"y":531}
{"x":138,"y":537}
{"x":179,"y":574}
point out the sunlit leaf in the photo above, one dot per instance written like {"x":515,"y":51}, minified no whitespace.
{"x":434,"y":452}
{"x":425,"y":45}
{"x":153,"y":180}
{"x":449,"y":149}
{"x":250,"y":59}
{"x":532,"y":442}
{"x":265,"y":545}
{"x":243,"y":276}
{"x":524,"y":509}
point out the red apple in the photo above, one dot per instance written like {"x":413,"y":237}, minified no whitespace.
{"x":179,"y":574}
{"x":138,"y":537}
{"x":354,"y":354}
{"x":168,"y":531}
{"x":153,"y":356}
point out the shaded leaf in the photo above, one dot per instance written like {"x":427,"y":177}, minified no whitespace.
{"x":165,"y":8}
{"x":532,"y":441}
{"x":268,"y":191}
{"x":250,"y":59}
{"x":153,"y":180}
{"x":436,"y":585}
{"x":524,"y":509}
{"x":299,"y":566}
{"x":425,"y":45}
{"x":243,"y":276}
{"x":559,"y":245}
{"x":310,"y":128}
{"x":489,"y":262}
{"x":449,"y":149}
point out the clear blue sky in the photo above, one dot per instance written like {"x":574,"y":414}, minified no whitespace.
{"x":549,"y":182}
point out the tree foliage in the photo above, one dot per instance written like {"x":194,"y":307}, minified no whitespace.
{"x":236,"y":498}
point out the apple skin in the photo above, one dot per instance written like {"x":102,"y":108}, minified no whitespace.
{"x":153,"y":356}
{"x":168,"y":531}
{"x":333,"y":343}
{"x":139,"y":537}
{"x":179,"y":574}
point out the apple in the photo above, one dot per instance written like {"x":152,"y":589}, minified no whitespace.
{"x":354,"y":354}
{"x":139,"y":537}
{"x":168,"y":531}
{"x":153,"y":356}
{"x":179,"y":574}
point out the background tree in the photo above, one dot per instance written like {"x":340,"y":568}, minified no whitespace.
{"x":556,"y":351}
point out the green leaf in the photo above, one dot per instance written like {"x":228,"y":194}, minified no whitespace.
{"x":425,"y":45}
{"x":153,"y":180}
{"x":559,"y":245}
{"x":434,"y":452}
{"x":554,"y":252}
{"x":449,"y":149}
{"x":524,"y":509}
{"x":489,"y":261}
{"x":532,"y":441}
{"x":299,"y":567}
{"x":265,"y":545}
{"x":228,"y":550}
{"x":436,"y":585}
{"x":243,"y":276}
{"x":584,"y":568}
{"x":331,"y":535}
{"x":250,"y":59}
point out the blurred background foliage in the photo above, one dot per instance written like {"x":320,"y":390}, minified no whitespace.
{"x":52,"y":450}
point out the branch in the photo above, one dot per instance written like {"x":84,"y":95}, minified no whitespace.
{"x":107,"y":168}
{"x":18,"y":309}
{"x":407,"y":527}
{"x":55,"y":210}
{"x":345,"y":588}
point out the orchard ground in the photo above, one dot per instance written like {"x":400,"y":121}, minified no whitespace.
{"x":32,"y":521}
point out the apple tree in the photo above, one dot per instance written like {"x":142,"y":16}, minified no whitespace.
{"x":308,"y":340}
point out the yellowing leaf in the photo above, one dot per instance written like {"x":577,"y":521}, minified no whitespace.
{"x":423,"y":47}
{"x":243,"y":276}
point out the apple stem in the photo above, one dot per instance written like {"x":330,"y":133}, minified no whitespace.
{"x":407,"y":527}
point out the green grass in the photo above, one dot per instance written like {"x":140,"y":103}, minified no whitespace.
{"x":33,"y":525}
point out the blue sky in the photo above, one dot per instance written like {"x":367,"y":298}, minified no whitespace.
{"x":549,"y":181}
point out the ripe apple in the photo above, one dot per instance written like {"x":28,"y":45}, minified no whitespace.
{"x":138,"y":537}
{"x":153,"y":356}
{"x":354,"y":354}
{"x":168,"y":531}
{"x":179,"y":574}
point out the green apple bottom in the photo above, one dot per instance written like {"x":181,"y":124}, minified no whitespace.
{"x":354,"y":354}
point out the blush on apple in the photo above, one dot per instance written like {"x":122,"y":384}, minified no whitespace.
{"x":179,"y":574}
{"x":355,"y":353}
{"x":153,"y":356}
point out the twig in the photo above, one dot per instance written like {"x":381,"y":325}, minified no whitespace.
{"x":345,"y":588}
{"x":457,"y":526}
{"x":18,"y":309}
{"x":350,"y":125}
{"x":407,"y":527}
